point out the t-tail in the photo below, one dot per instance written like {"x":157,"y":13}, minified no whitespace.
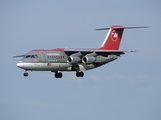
{"x":113,"y":38}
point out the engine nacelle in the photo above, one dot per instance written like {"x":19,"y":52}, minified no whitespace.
{"x":88,"y":59}
{"x":73,"y":59}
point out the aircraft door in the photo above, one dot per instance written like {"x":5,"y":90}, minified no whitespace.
{"x":43,"y":57}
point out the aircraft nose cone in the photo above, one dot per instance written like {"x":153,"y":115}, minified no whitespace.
{"x":20,"y":64}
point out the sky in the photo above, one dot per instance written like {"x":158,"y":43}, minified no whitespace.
{"x":128,"y":88}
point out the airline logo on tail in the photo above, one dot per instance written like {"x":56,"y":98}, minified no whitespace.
{"x":114,"y":35}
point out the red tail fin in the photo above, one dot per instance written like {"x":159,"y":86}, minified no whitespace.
{"x":113,"y":38}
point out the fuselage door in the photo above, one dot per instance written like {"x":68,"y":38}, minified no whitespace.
{"x":43,"y":57}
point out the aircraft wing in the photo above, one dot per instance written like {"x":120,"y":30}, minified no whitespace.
{"x":98,"y":52}
{"x":19,"y":56}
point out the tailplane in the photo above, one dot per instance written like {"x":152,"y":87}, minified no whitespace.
{"x":113,"y":38}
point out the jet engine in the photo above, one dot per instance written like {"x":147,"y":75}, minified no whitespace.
{"x":73,"y":59}
{"x":88,"y":59}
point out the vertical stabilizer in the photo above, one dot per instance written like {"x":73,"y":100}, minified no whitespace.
{"x":113,"y":38}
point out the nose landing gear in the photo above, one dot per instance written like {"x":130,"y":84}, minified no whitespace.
{"x":26,"y":74}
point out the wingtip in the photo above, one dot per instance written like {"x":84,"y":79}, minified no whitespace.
{"x":102,"y":29}
{"x":18,"y":56}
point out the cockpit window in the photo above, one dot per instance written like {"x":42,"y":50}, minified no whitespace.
{"x":28,"y":56}
{"x":36,"y":56}
{"x":32,"y":56}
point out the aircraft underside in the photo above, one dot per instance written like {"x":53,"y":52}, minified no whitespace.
{"x":58,"y":68}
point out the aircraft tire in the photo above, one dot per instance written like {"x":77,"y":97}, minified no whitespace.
{"x":79,"y":74}
{"x":26,"y":74}
{"x":58,"y":75}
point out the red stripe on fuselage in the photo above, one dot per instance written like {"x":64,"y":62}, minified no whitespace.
{"x":49,"y":50}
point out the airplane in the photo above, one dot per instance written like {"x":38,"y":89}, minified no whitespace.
{"x":63,"y":59}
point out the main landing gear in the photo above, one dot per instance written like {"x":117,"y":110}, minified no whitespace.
{"x":58,"y":75}
{"x":79,"y":74}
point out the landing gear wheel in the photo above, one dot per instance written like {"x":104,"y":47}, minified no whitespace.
{"x":58,"y":75}
{"x":79,"y":74}
{"x":25,"y":74}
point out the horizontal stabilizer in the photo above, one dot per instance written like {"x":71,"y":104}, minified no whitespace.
{"x":120,"y":27}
